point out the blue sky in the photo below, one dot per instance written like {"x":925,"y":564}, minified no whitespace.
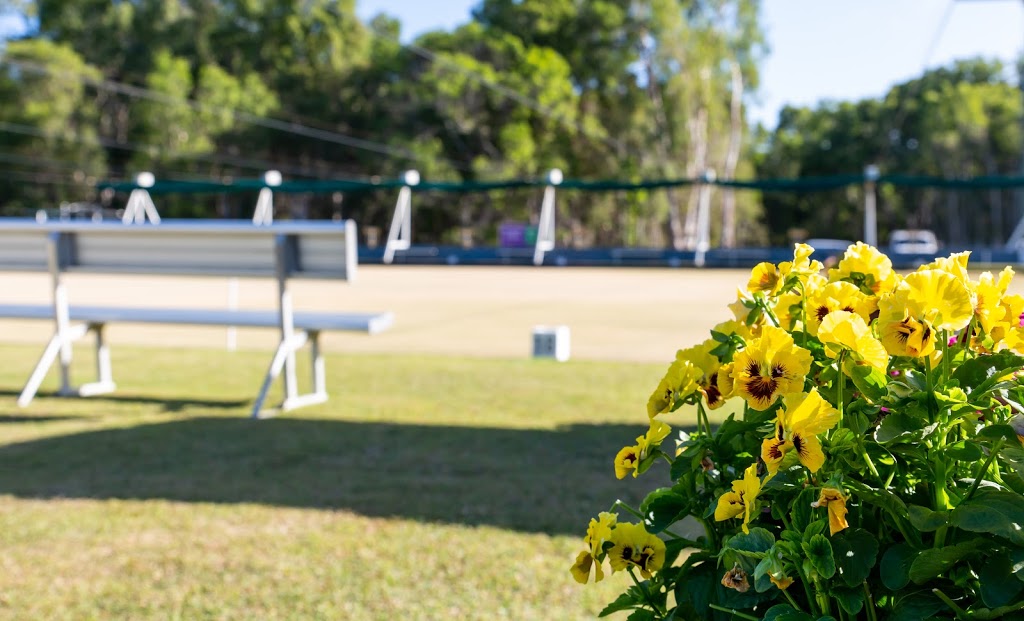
{"x":820,"y":49}
{"x":823,"y":49}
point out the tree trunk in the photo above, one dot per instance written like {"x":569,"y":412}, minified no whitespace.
{"x":663,"y":147}
{"x":732,"y":156}
{"x":699,"y":138}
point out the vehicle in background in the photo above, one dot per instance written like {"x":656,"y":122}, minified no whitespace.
{"x":913,"y":241}
{"x":829,"y":251}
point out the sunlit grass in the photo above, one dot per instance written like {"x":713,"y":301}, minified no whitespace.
{"x":426,"y":488}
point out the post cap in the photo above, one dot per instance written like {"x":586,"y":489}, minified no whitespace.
{"x":555,"y":176}
{"x":145,"y":180}
{"x":411,"y":177}
{"x":871,"y":172}
{"x":272,"y":178}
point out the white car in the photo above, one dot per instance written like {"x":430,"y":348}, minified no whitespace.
{"x":913,"y":241}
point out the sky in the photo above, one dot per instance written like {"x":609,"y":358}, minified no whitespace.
{"x":819,"y":49}
{"x":822,"y":49}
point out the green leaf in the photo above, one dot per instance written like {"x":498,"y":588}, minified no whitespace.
{"x":992,"y":511}
{"x":785,"y":612}
{"x":627,"y":601}
{"x":898,"y":425}
{"x":1013,"y":456}
{"x":802,"y":510}
{"x":819,"y":553}
{"x":926,"y":520}
{"x":980,"y":374}
{"x":998,"y":432}
{"x":641,"y":614}
{"x":662,"y":508}
{"x":856,"y":552}
{"x":868,"y":380}
{"x":998,"y":585}
{"x":1017,"y":563}
{"x":916,"y":607}
{"x":964,"y":450}
{"x":933,"y":562}
{"x":697,"y":587}
{"x":673,"y":547}
{"x":895,"y":566}
{"x":753,"y":545}
{"x":852,"y":600}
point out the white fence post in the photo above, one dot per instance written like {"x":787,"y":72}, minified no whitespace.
{"x":400,"y":235}
{"x":264,"y":213}
{"x":140,"y":204}
{"x":546,"y":226}
{"x":871,"y":175}
{"x":707,"y":179}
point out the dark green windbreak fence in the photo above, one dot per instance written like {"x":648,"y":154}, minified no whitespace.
{"x":627,"y":213}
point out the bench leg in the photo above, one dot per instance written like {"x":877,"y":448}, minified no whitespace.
{"x":285,"y":350}
{"x":319,"y":371}
{"x":59,"y":343}
{"x":105,"y":378}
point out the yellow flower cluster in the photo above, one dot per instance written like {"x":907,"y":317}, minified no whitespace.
{"x":628,"y":546}
{"x":798,"y":335}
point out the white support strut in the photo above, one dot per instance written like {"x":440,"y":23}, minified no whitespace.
{"x":703,"y":218}
{"x":546,"y":226}
{"x":140,"y":205}
{"x":400,"y":233}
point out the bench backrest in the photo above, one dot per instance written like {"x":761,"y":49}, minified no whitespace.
{"x":189,"y":247}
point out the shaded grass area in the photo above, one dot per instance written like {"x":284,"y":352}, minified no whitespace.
{"x":427,"y":488}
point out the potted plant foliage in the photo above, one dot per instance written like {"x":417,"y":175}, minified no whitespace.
{"x":871,"y":466}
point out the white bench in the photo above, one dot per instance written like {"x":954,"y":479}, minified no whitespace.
{"x":318,"y":250}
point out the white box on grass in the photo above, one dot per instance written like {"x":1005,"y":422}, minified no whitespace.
{"x":551,"y":342}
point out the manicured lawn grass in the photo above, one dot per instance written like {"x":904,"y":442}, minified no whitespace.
{"x":426,"y":488}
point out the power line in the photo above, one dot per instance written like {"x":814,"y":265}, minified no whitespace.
{"x":290,"y":127}
{"x":253,"y":164}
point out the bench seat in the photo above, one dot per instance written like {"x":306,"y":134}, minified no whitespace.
{"x":371,"y":323}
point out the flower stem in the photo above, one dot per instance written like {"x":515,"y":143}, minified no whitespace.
{"x":735,"y":613}
{"x":869,"y":603}
{"x":960,"y":612}
{"x":984,"y":468}
{"x":792,"y":602}
{"x":647,"y":594}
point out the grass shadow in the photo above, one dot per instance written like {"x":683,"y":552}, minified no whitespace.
{"x":533,"y":480}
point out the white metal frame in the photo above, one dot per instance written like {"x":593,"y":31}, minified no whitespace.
{"x":400,"y":233}
{"x":546,"y":226}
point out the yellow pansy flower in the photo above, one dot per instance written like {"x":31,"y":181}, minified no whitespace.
{"x":925,"y":302}
{"x":864,"y":265}
{"x":797,"y":426}
{"x":741,"y":500}
{"x":801,"y":266}
{"x":834,"y":500}
{"x":634,"y":546}
{"x":680,"y":382}
{"x":781,"y":580}
{"x":787,"y":309}
{"x":629,"y":458}
{"x":771,"y":366}
{"x":765,"y":278}
{"x":955,"y":265}
{"x":599,"y":531}
{"x":700,"y":357}
{"x":988,"y":297}
{"x":842,"y":330}
{"x":835,"y":296}
{"x":742,"y":306}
